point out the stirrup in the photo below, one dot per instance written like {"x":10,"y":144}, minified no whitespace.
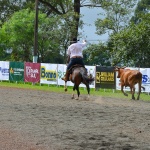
{"x":63,"y":78}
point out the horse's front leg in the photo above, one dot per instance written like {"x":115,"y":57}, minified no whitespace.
{"x":78,"y":92}
{"x":65,"y":86}
{"x":73,"y":92}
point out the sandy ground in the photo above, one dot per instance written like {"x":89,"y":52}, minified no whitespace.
{"x":37,"y":120}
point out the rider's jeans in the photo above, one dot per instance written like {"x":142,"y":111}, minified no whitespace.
{"x":74,"y":61}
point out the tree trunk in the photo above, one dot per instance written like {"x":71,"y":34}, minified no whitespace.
{"x":76,"y":18}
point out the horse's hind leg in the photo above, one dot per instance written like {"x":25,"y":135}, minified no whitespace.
{"x":73,"y":92}
{"x":78,"y":92}
{"x":88,"y":90}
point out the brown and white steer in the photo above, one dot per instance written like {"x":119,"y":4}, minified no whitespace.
{"x":130,"y":78}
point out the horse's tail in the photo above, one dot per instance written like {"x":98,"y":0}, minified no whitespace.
{"x":86,"y":78}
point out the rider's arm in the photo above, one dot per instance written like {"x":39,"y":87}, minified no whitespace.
{"x":68,"y":51}
{"x":83,"y":43}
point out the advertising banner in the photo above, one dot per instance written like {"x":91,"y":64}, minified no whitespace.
{"x":16,"y":71}
{"x":105,"y":77}
{"x":62,"y":71}
{"x":48,"y":73}
{"x":4,"y":70}
{"x":32,"y":72}
{"x":145,"y":78}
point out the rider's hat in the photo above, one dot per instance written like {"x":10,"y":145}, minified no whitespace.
{"x":74,"y":40}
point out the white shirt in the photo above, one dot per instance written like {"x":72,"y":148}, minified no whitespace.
{"x":76,"y":49}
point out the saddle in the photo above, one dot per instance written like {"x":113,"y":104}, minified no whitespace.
{"x":74,"y":67}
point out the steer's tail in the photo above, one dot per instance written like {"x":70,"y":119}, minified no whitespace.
{"x":143,"y":88}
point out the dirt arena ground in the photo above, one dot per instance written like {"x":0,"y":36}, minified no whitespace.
{"x":38,"y":120}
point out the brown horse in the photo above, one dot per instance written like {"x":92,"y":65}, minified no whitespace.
{"x":78,"y":75}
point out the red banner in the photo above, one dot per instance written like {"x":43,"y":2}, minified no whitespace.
{"x":32,"y":72}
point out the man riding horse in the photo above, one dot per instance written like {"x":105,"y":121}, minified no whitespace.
{"x":74,"y":52}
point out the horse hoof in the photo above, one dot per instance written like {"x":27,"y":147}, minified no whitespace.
{"x":126,"y":94}
{"x":65,"y":90}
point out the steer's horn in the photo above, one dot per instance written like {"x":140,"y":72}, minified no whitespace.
{"x":116,"y":68}
{"x":123,"y":67}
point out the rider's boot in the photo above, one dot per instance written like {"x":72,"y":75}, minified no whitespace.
{"x":66,"y":76}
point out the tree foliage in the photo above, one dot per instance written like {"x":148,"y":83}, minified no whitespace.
{"x":133,"y":43}
{"x":59,"y":21}
{"x":9,"y":7}
{"x":115,"y":17}
{"x":143,"y":7}
{"x":97,"y":54}
{"x":19,"y":35}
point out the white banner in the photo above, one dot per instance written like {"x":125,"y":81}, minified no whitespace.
{"x":48,"y":73}
{"x":145,"y":80}
{"x":4,"y":70}
{"x":62,"y":71}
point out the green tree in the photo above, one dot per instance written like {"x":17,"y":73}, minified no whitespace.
{"x":19,"y":32}
{"x":97,"y":54}
{"x":116,"y":16}
{"x":143,"y":7}
{"x":3,"y":40}
{"x":8,"y":7}
{"x":133,"y":43}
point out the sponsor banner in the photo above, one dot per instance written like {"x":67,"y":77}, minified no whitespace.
{"x":145,"y":80}
{"x":48,"y":73}
{"x":4,"y":70}
{"x":105,"y":77}
{"x":16,"y":71}
{"x":32,"y":72}
{"x":62,"y":71}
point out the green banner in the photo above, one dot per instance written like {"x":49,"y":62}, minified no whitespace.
{"x":16,"y":71}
